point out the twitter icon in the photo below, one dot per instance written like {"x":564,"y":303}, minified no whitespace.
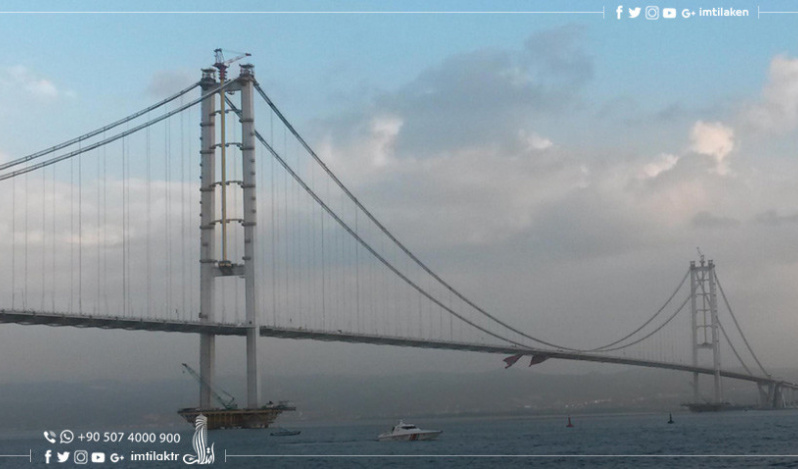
{"x":62,"y":457}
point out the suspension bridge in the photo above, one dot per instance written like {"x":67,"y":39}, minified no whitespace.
{"x":102,"y":233}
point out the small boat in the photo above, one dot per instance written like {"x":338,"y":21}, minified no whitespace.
{"x":670,"y":418}
{"x":284,"y":432}
{"x":408,"y":432}
{"x":570,"y":425}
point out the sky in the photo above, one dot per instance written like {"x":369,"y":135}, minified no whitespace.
{"x":560,"y":169}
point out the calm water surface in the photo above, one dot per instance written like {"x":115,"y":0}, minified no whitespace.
{"x":733,"y":439}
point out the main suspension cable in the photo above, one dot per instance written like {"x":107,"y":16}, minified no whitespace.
{"x":368,"y":247}
{"x":739,"y":329}
{"x":113,"y":138}
{"x":94,"y":133}
{"x":412,"y":256}
{"x":681,"y":307}
{"x":734,"y":350}
{"x":687,"y":274}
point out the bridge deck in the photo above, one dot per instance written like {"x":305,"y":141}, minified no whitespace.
{"x":134,"y":324}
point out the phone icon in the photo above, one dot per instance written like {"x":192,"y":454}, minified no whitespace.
{"x":49,"y":436}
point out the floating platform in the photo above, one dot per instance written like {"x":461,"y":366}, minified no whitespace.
{"x":220,"y":419}
{"x":715,"y":407}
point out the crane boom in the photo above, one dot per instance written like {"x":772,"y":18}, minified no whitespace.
{"x":222,"y":64}
{"x":228,"y":404}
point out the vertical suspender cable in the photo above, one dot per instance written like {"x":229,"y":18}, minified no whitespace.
{"x":71,"y":234}
{"x":124,"y":228}
{"x":44,"y":239}
{"x":273,"y":234}
{"x":52,"y":241}
{"x":25,"y":270}
{"x":14,"y":243}
{"x":80,"y":232}
{"x":167,"y":217}
{"x":148,"y":167}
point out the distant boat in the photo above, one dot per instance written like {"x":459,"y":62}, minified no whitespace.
{"x":570,"y":425}
{"x":284,"y":432}
{"x":670,"y":418}
{"x":408,"y":432}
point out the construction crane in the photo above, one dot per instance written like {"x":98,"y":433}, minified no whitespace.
{"x":222,"y":65}
{"x":228,"y":404}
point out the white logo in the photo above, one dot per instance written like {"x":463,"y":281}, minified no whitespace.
{"x":47,"y":455}
{"x":669,"y":13}
{"x":204,"y":454}
{"x":62,"y":457}
{"x":98,"y":457}
{"x":67,"y":437}
{"x":81,"y":456}
{"x":634,"y":12}
{"x":652,"y":13}
{"x":686,"y":13}
{"x":619,"y":10}
{"x":49,"y":436}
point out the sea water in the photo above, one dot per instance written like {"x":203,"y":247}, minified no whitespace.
{"x":707,"y":440}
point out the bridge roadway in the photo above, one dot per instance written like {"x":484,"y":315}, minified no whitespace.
{"x":239,"y":329}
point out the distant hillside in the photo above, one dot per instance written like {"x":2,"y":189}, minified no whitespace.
{"x":117,"y":404}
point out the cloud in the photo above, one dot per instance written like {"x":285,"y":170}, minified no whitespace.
{"x":706,"y":220}
{"x":713,"y":139}
{"x":772,"y":218}
{"x":534,"y":141}
{"x":168,"y":82}
{"x":488,"y":94}
{"x":664,"y":162}
{"x":470,"y":153}
{"x":20,"y":77}
{"x":462,"y":140}
{"x":777,"y":111}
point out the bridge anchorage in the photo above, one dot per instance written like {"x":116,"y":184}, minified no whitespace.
{"x":335,"y":273}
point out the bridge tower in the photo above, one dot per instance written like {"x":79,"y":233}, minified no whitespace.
{"x":208,"y":265}
{"x":212,"y":266}
{"x":705,"y":325}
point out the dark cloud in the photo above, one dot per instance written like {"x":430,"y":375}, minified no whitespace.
{"x":483,"y":96}
{"x":588,"y":223}
{"x":168,"y":82}
{"x":706,"y":220}
{"x":772,"y":218}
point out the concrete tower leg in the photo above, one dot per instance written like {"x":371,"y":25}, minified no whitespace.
{"x":247,"y":81}
{"x":207,"y":235}
{"x":694,"y":326}
{"x":715,"y":327}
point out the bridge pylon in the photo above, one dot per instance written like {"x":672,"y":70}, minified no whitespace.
{"x":208,"y":265}
{"x":705,"y":325}
{"x":212,"y":268}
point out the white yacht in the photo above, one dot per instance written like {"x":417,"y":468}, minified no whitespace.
{"x":408,"y":432}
